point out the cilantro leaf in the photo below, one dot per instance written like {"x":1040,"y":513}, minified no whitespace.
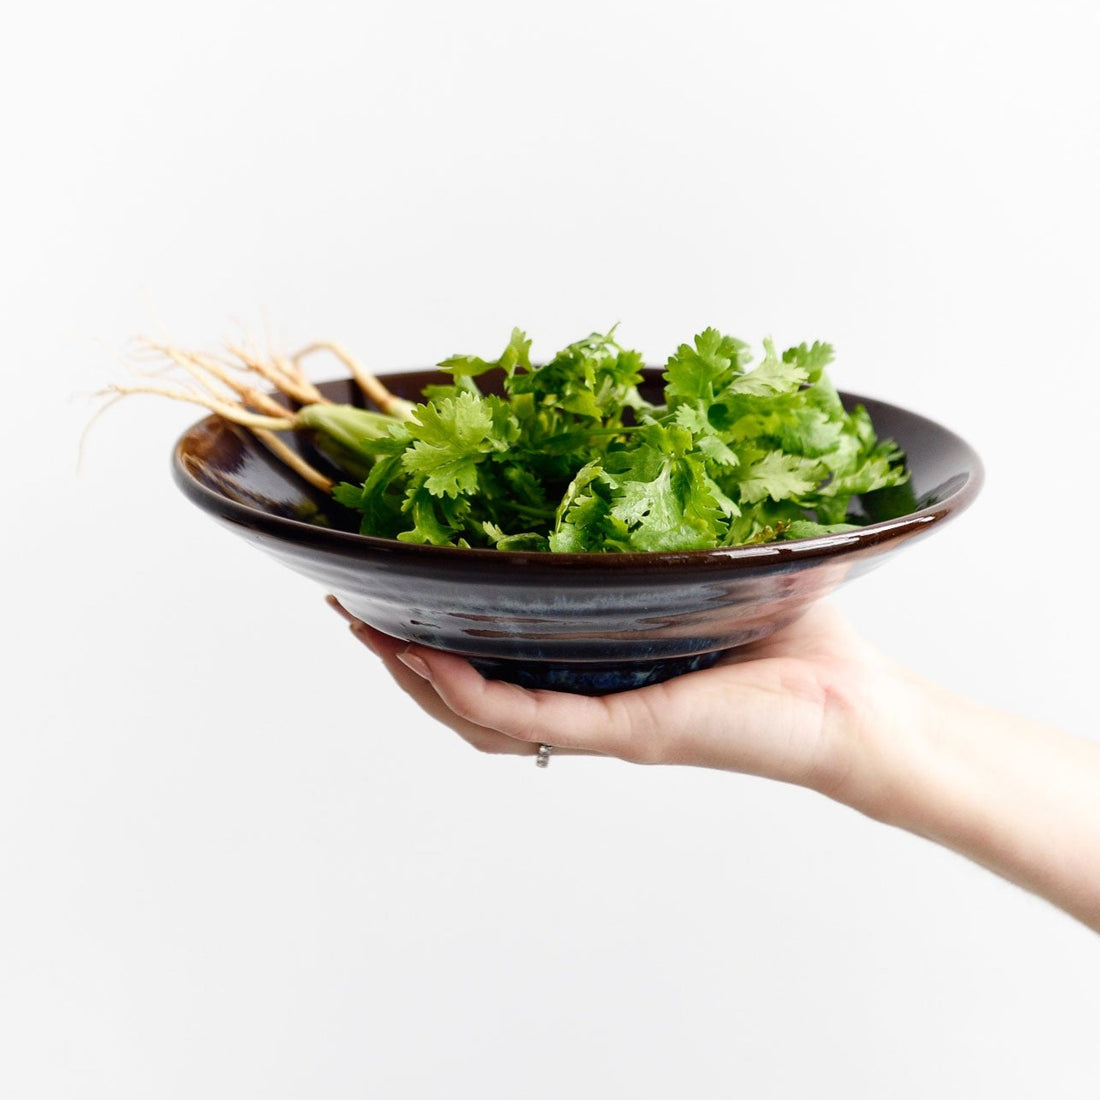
{"x":779,"y":476}
{"x":450,"y":438}
{"x":516,"y":354}
{"x":773,"y":376}
{"x":701,"y":369}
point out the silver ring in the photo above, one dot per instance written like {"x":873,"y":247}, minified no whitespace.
{"x":542,"y":757}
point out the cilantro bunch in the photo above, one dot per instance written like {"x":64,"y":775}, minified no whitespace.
{"x":568,"y":456}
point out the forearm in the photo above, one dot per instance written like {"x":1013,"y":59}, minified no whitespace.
{"x":1015,"y":796}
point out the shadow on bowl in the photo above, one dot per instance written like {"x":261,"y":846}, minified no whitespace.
{"x":589,"y":623}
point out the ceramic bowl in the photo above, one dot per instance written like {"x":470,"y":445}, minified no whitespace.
{"x":591,"y":623}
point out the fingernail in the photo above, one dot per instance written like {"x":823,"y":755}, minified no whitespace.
{"x":416,"y":663}
{"x":363,"y":633}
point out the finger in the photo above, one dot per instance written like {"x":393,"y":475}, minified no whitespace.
{"x":421,"y":691}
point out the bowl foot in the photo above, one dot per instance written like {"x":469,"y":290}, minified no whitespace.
{"x":591,"y":677}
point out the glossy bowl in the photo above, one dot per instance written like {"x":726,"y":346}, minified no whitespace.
{"x":590,"y":623}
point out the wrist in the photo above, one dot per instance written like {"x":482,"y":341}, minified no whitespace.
{"x":880,"y":733}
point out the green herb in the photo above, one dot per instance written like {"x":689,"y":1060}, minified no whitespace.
{"x":568,"y":456}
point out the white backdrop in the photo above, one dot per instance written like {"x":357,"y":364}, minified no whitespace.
{"x":234,"y":862}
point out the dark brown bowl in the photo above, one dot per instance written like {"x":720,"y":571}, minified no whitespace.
{"x":592,"y":623}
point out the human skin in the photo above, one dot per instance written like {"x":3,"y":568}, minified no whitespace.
{"x":818,"y":706}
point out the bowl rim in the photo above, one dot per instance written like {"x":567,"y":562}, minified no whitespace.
{"x":352,"y":544}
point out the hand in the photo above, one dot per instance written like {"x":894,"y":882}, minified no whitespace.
{"x":814,"y":705}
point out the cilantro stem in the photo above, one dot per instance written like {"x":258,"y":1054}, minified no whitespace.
{"x":581,"y":435}
{"x":531,"y":512}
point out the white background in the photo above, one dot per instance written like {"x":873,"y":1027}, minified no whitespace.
{"x":234,"y":862}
